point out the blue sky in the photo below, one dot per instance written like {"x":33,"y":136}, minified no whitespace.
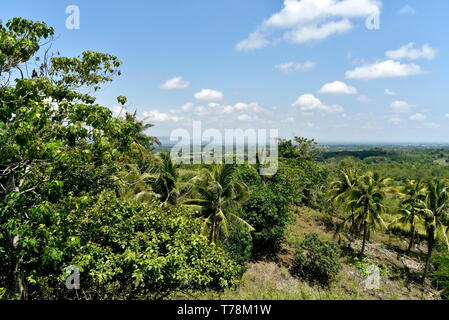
{"x":307,"y":68}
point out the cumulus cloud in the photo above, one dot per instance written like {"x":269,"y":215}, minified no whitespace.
{"x":209,"y":95}
{"x":385,"y":69}
{"x":407,"y":10}
{"x":175,"y":83}
{"x":389,"y":92}
{"x":288,"y":67}
{"x":301,"y":21}
{"x":418,"y":117}
{"x":337,"y":87}
{"x":402,"y":107}
{"x":409,"y":52}
{"x":309,"y":104}
{"x":158,"y":116}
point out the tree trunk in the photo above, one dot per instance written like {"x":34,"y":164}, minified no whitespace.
{"x":365,"y":233}
{"x":412,"y":239}
{"x":19,"y":278}
{"x":430,"y":244}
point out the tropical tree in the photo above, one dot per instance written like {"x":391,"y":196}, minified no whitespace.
{"x":367,"y":197}
{"x":166,"y":183}
{"x":218,"y":195}
{"x":340,"y":195}
{"x":435,"y":217}
{"x":412,"y":196}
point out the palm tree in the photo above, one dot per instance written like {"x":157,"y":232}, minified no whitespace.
{"x":367,"y":198}
{"x":166,"y":183}
{"x":340,"y":192}
{"x":219,"y":193}
{"x":412,"y":196}
{"x":435,"y":217}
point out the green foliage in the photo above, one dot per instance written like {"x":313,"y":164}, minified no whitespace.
{"x":440,"y":277}
{"x":317,"y":260}
{"x":238,"y":244}
{"x":123,"y":251}
{"x":269,"y":214}
{"x":218,"y":194}
{"x":249,"y":176}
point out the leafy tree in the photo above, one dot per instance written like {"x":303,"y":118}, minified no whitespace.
{"x":219,"y":195}
{"x":60,"y":150}
{"x":269,"y":214}
{"x":412,"y":197}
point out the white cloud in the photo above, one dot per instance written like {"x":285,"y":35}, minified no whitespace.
{"x":288,"y":67}
{"x":432,"y":125}
{"x":244,"y":117}
{"x":388,"y":92}
{"x":256,"y":40}
{"x":308,"y":104}
{"x":175,"y":83}
{"x":407,"y":10}
{"x":446,"y":116}
{"x":301,"y":21}
{"x":209,"y":95}
{"x":337,"y":87}
{"x":409,"y":52}
{"x":385,"y":69}
{"x":314,"y":32}
{"x":157,"y":116}
{"x":418,"y":117}
{"x":402,"y":106}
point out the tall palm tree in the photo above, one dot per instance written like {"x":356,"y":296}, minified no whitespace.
{"x":367,"y":198}
{"x":219,"y":193}
{"x":435,"y":217}
{"x":166,"y":183}
{"x":340,"y":192}
{"x":412,"y":197}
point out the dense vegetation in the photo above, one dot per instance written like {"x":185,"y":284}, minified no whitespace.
{"x":80,"y":187}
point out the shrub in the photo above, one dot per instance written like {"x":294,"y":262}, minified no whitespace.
{"x":317,"y":261}
{"x":238,"y":244}
{"x":248,"y":175}
{"x":268,"y":214}
{"x":440,"y":277}
{"x":123,"y":251}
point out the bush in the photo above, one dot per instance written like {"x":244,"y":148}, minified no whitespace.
{"x":268,"y":214}
{"x":238,"y":244}
{"x":248,"y":175}
{"x":440,"y":277}
{"x":123,"y":251}
{"x":317,"y":261}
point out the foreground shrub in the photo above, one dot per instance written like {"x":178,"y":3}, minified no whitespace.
{"x":123,"y":251}
{"x":440,"y":277}
{"x":317,"y":261}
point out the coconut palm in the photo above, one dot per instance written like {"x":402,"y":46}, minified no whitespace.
{"x":435,"y":217}
{"x":367,"y":198}
{"x":340,"y":192}
{"x":166,"y":183}
{"x":412,"y":196}
{"x":219,"y":194}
